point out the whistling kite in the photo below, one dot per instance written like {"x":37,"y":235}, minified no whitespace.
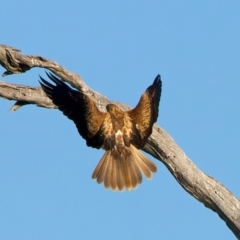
{"x":119,"y":133}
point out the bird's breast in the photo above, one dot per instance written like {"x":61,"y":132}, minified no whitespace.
{"x":119,"y":142}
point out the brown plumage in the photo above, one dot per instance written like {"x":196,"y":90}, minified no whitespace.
{"x":118,"y":132}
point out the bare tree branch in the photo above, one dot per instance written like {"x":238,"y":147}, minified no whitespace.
{"x":160,"y":145}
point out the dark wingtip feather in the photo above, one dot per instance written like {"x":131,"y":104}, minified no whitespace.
{"x":46,"y":86}
{"x":157,"y":80}
{"x":157,"y":84}
{"x":45,"y":83}
{"x":156,"y":87}
{"x":55,"y":79}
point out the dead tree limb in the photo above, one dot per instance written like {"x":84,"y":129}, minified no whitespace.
{"x":160,"y":145}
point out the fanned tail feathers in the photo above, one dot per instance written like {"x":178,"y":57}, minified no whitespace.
{"x":122,"y":168}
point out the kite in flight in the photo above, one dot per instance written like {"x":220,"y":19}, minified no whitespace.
{"x":120,"y":133}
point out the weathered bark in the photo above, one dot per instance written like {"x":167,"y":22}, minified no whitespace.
{"x":160,"y":145}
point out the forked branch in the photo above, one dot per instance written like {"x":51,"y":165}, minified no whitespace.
{"x":160,"y":144}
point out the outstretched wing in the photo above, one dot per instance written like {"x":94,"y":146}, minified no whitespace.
{"x":77,"y":107}
{"x":145,"y":113}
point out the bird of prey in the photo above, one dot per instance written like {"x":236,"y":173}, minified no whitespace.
{"x":120,"y":133}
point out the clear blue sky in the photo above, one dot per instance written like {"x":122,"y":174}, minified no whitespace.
{"x":118,"y":47}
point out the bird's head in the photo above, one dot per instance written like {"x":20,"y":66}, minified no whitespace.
{"x":112,"y":108}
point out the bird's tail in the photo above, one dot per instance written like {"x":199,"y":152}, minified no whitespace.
{"x":123,"y":167}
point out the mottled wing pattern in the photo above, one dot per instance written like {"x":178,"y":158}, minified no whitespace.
{"x":146,"y":112}
{"x":130,"y":132}
{"x":77,"y":107}
{"x":109,"y":133}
